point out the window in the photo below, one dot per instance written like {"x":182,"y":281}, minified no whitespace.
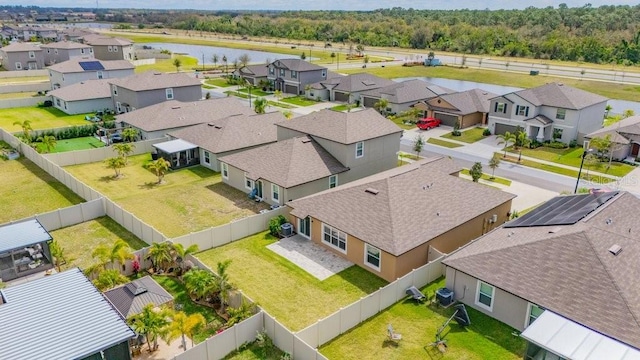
{"x":118,"y":107}
{"x":484,"y":298}
{"x":532,"y":313}
{"x":275,"y":192}
{"x":207,"y":158}
{"x":304,"y":227}
{"x":225,"y":170}
{"x":115,"y":49}
{"x":335,"y":238}
{"x":557,"y":133}
{"x":271,"y":71}
{"x":32,"y":55}
{"x":110,"y":48}
{"x":169,"y":93}
{"x":115,"y":90}
{"x":522,"y":110}
{"x":281,"y":72}
{"x":294,"y":74}
{"x":333,"y":181}
{"x":48,"y":51}
{"x":58,"y":103}
{"x":81,"y":51}
{"x":372,"y":256}
{"x":561,"y":113}
{"x":90,"y":50}
{"x":100,"y":75}
{"x":65,"y":105}
{"x":248,"y":183}
{"x":324,"y":73}
{"x":359,"y":149}
{"x":18,"y":66}
{"x":500,"y":108}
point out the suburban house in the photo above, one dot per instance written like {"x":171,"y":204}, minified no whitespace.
{"x":82,"y":69}
{"x":291,"y":76}
{"x":371,"y":221}
{"x":346,"y":88}
{"x":61,"y":316}
{"x":315,"y":152}
{"x":401,"y":96}
{"x":21,"y":56}
{"x":548,"y":112}
{"x":566,"y":273}
{"x":205,"y":143}
{"x":24,"y":249}
{"x":30,"y":32}
{"x":466,"y":108}
{"x":73,"y":34}
{"x":83,"y":97}
{"x":109,"y":48}
{"x":60,"y":51}
{"x":129,"y":299}
{"x":157,"y":120}
{"x":254,"y":74}
{"x":625,"y":135}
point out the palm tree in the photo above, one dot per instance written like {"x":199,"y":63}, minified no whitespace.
{"x":523,"y":140}
{"x":120,"y":251}
{"x":116,"y":163}
{"x":177,"y":63}
{"x":494,"y":162}
{"x":160,"y":167}
{"x":181,"y":253}
{"x":183,"y":325}
{"x":199,"y":283}
{"x":57,"y":252}
{"x":418,"y":144}
{"x":240,"y":313}
{"x":109,"y":279}
{"x":381,"y":105}
{"x":49,"y":141}
{"x":151,"y":323}
{"x":607,"y":110}
{"x":160,"y":255}
{"x":260,"y":105}
{"x":506,"y":139}
{"x":124,"y":150}
{"x":26,"y":129}
{"x":222,"y":283}
{"x":214,"y":60}
{"x":278,"y":95}
{"x":129,"y":134}
{"x":224,"y":61}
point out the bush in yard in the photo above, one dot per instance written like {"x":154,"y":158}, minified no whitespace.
{"x":557,"y":145}
{"x":456,"y":130}
{"x":486,"y":132}
{"x":573,"y":143}
{"x":476,"y":171}
{"x":274,"y":224}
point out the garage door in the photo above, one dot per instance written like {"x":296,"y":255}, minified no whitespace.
{"x":369,"y":102}
{"x":340,"y":96}
{"x":503,"y":128}
{"x":447,"y":119}
{"x":291,"y":89}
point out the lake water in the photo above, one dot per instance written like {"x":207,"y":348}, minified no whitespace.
{"x":619,"y":106}
{"x":197,"y":51}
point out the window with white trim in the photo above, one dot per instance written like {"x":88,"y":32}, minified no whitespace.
{"x":359,"y":149}
{"x":90,"y":50}
{"x":81,"y":51}
{"x":248,"y":183}
{"x":484,"y":295}
{"x":58,"y":103}
{"x":115,"y":49}
{"x":334,"y":238}
{"x":169,"y":93}
{"x":522,"y":110}
{"x":372,"y":256}
{"x":110,"y":48}
{"x":281,"y":72}
{"x":294,"y":74}
{"x":207,"y":157}
{"x":333,"y":181}
{"x":118,"y":106}
{"x":115,"y":90}
{"x":18,"y":66}
{"x":100,"y":74}
{"x":225,"y":170}
{"x":271,"y":71}
{"x":324,"y":73}
{"x":533,"y":311}
{"x":275,"y":192}
{"x":304,"y":227}
{"x":561,"y":114}
{"x":32,"y":55}
{"x":500,"y":107}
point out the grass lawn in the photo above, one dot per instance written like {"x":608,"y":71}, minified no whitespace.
{"x":180,"y":296}
{"x":469,"y":136}
{"x":401,"y":122}
{"x":557,"y":169}
{"x":24,"y":79}
{"x":298,"y":100}
{"x":238,"y":94}
{"x":219,"y":82}
{"x":19,"y":95}
{"x":279,"y":104}
{"x":254,"y":92}
{"x":80,"y":240}
{"x":485,"y":338}
{"x":487,"y":177}
{"x":254,"y":352}
{"x":41,"y":118}
{"x":82,"y":143}
{"x":25,"y":190}
{"x":166,"y":65}
{"x":444,"y":143}
{"x":343,"y":107}
{"x":189,"y":200}
{"x":291,"y":295}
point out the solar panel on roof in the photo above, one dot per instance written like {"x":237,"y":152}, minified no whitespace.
{"x":91,"y":65}
{"x":562,"y":210}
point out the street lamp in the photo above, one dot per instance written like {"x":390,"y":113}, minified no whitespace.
{"x":584,"y":155}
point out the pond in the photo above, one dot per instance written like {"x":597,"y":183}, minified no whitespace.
{"x":200,"y":51}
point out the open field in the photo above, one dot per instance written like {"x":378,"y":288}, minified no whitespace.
{"x":189,"y":200}
{"x":41,"y":118}
{"x":82,"y":143}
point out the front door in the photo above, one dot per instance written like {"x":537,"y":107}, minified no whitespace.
{"x":304,"y":227}
{"x":635,"y":149}
{"x":259,"y":189}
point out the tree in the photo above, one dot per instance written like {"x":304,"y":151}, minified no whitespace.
{"x":199,"y":283}
{"x":476,"y":171}
{"x":240,"y":313}
{"x":183,"y":325}
{"x":49,"y":141}
{"x":628,"y":113}
{"x":119,"y":252}
{"x":159,"y":167}
{"x":288,"y":114}
{"x":605,"y":145}
{"x":160,"y":255}
{"x":278,"y":95}
{"x":522,"y":140}
{"x":177,"y":63}
{"x":244,"y":60}
{"x":129,"y":134}
{"x":506,"y":139}
{"x":224,"y":61}
{"x":303,"y":55}
{"x":116,"y":163}
{"x":222,"y":283}
{"x":151,"y":323}
{"x":494,"y":162}
{"x":381,"y":106}
{"x":214,"y":60}
{"x":418,"y":144}
{"x":607,"y":110}
{"x":26,"y":129}
{"x":181,"y":254}
{"x":124,"y":150}
{"x":590,"y":161}
{"x":109,"y":279}
{"x":57,"y":252}
{"x":366,"y":60}
{"x":260,"y":105}
{"x":360,"y":49}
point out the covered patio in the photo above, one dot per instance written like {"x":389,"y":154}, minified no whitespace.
{"x":178,"y":153}
{"x":24,"y":250}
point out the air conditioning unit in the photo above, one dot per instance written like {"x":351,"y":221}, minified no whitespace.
{"x":286,"y":229}
{"x":444,"y":297}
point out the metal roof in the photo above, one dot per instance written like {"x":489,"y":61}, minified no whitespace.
{"x":61,"y":316}
{"x":573,"y":341}
{"x":174,"y":146}
{"x":22,"y":234}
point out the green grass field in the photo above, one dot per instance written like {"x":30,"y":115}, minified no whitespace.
{"x":166,"y":65}
{"x":41,"y":118}
{"x":298,"y":100}
{"x":487,"y":177}
{"x":280,"y":105}
{"x":254,"y":92}
{"x":445,"y":143}
{"x":558,"y":170}
{"x":82,"y":143}
{"x":469,"y":136}
{"x":343,"y":107}
{"x":219,"y":82}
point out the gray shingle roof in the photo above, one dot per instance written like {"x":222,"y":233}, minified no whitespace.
{"x":73,"y":65}
{"x":19,"y":235}
{"x":568,"y":269}
{"x":20,"y":47}
{"x":101,"y":40}
{"x":65,"y":45}
{"x":131,"y":298}
{"x":408,"y":91}
{"x":86,"y":90}
{"x":152,"y":80}
{"x":297,"y":65}
{"x":560,"y":95}
{"x":58,"y":317}
{"x":466,"y":102}
{"x":287,"y":163}
{"x":355,"y":82}
{"x":621,"y":132}
{"x":233,"y":132}
{"x":341,"y":127}
{"x":174,"y":114}
{"x":426,"y":187}
{"x":254,"y":70}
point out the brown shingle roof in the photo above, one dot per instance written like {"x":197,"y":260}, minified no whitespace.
{"x":86,"y":90}
{"x":355,"y":82}
{"x":408,"y":91}
{"x":73,"y":65}
{"x":65,"y":45}
{"x":174,"y":114}
{"x":297,"y":65}
{"x":341,"y":127}
{"x":621,"y":131}
{"x":442,"y":201}
{"x":254,"y":70}
{"x":466,"y":102}
{"x":568,"y":269}
{"x":560,"y":95}
{"x":287,"y":163}
{"x":20,"y":47}
{"x":101,"y":40}
{"x":233,"y":133}
{"x":131,"y":298}
{"x":152,"y":80}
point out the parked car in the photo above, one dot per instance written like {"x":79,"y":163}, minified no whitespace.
{"x":428,"y":123}
{"x":116,"y":138}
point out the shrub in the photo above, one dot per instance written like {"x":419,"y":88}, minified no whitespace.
{"x":573,"y":143}
{"x":557,"y":145}
{"x":486,"y":132}
{"x":274,"y":224}
{"x":456,"y":130}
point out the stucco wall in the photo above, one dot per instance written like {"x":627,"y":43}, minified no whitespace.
{"x":10,"y":59}
{"x":84,"y":106}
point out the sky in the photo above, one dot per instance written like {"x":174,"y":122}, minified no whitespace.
{"x":315,"y":4}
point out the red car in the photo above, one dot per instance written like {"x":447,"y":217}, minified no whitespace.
{"x":428,"y":123}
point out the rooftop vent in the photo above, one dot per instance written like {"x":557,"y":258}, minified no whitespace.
{"x":554,"y":230}
{"x":427,"y":186}
{"x":372,"y":191}
{"x":306,"y":140}
{"x":609,"y":221}
{"x":615,"y":249}
{"x":175,"y":107}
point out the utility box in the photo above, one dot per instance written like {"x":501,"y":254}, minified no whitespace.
{"x":444,"y":297}
{"x":286,"y":229}
{"x":534,"y":72}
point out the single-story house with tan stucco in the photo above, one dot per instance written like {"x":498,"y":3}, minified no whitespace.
{"x":466,"y":108}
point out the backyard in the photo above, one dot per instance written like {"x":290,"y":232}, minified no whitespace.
{"x":294,"y":297}
{"x":189,"y":200}
{"x":418,"y":323}
{"x":468,"y":136}
{"x":81,"y":143}
{"x":166,"y":65}
{"x":41,"y":118}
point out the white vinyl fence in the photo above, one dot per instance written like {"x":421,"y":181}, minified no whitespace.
{"x":99,"y":154}
{"x":72,"y":215}
{"x":21,"y":102}
{"x":33,"y":87}
{"x":27,"y":73}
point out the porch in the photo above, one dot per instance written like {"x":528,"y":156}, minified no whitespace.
{"x":539,"y":128}
{"x":178,"y":153}
{"x":24,"y":250}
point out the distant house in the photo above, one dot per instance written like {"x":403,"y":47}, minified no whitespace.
{"x":625,"y":135}
{"x":73,"y":34}
{"x":566,"y":273}
{"x":83,"y":97}
{"x":30,"y":32}
{"x":367,"y":221}
{"x":466,"y":108}
{"x":156,"y":121}
{"x":82,"y":324}
{"x":254,"y":74}
{"x":347,"y":88}
{"x":129,"y":299}
{"x":24,"y":249}
{"x":291,"y":76}
{"x":547,"y":112}
{"x":65,"y":50}
{"x":109,"y":48}
{"x":401,"y":96}
{"x":22,"y":56}
{"x":149,"y":88}
{"x":82,"y":69}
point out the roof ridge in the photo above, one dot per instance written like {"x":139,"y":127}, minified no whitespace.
{"x":392,"y":217}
